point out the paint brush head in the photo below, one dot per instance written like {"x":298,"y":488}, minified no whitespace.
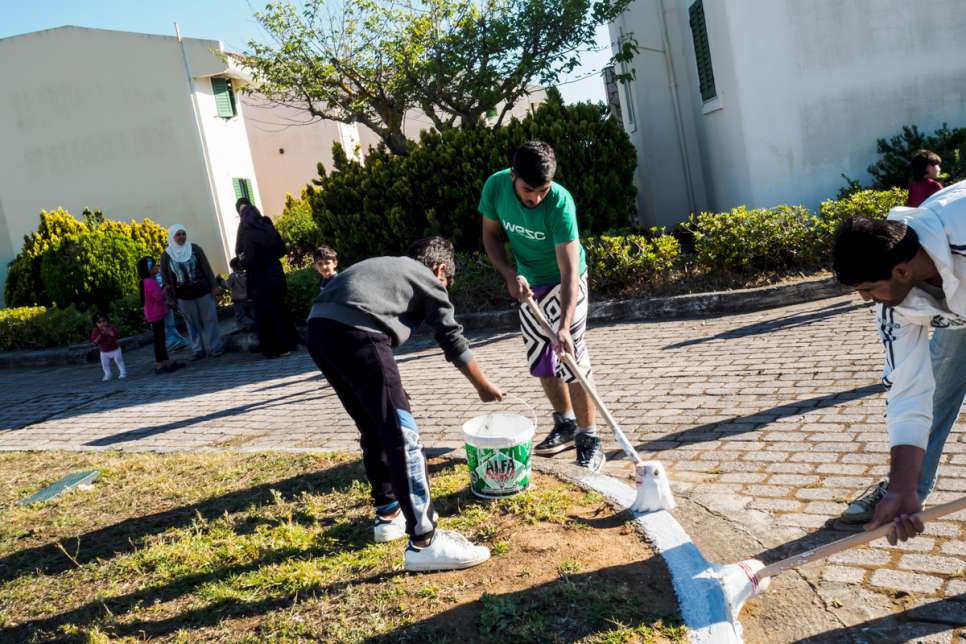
{"x":739,"y":583}
{"x":653,"y":488}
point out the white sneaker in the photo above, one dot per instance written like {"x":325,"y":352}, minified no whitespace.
{"x":387,"y":530}
{"x":448,"y":551}
{"x":123,"y":376}
{"x":105,"y":378}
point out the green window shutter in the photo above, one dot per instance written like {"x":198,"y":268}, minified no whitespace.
{"x":224,"y":97}
{"x":243,"y":188}
{"x":702,"y":51}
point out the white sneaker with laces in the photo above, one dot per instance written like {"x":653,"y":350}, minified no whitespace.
{"x":386,"y":530}
{"x":448,"y":551}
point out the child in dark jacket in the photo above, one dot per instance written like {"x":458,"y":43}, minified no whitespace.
{"x":237,"y":283}
{"x":105,"y":336}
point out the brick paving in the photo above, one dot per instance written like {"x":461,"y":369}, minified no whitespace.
{"x":771,"y":421}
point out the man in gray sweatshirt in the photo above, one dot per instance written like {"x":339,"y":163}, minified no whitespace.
{"x":363,"y":313}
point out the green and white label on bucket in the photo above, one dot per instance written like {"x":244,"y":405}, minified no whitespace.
{"x":498,"y":450}
{"x":498,"y":471}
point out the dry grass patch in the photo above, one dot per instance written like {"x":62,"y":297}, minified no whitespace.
{"x":278,"y":547}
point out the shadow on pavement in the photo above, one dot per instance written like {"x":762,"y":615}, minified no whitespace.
{"x":781,"y":323}
{"x":744,"y":424}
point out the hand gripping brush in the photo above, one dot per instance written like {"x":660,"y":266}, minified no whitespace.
{"x":745,"y":579}
{"x":653,"y":490}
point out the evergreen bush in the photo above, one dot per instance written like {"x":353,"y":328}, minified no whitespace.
{"x":892,"y":170}
{"x":381,"y":206}
{"x":298,"y":229}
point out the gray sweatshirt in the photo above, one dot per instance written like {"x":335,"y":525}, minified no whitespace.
{"x":393,"y":296}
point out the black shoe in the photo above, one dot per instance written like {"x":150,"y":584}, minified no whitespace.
{"x":559,"y":438}
{"x":589,"y":453}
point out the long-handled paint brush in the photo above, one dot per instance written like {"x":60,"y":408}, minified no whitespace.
{"x":745,"y":579}
{"x":653,"y":489}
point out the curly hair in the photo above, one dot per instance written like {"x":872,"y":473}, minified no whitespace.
{"x":432,"y":251}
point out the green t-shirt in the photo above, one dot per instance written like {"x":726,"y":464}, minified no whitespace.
{"x":534,"y":232}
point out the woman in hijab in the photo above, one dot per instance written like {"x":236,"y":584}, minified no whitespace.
{"x":259,"y":248}
{"x":191,"y":283}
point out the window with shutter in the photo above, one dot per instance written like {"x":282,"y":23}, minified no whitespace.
{"x":702,"y":51}
{"x":224,"y":97}
{"x":243,"y":188}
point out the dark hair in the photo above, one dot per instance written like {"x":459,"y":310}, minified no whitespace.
{"x":101,"y":315}
{"x":921,"y":160}
{"x":324,"y":252}
{"x":432,"y":251}
{"x":535,"y":163}
{"x":235,"y":263}
{"x":242,"y":203}
{"x":145,"y":264}
{"x":866,"y":250}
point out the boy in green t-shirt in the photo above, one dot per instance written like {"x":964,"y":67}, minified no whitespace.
{"x":540,"y":219}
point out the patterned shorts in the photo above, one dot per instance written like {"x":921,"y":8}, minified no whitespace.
{"x":540,"y":354}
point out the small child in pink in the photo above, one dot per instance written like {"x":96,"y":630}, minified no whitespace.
{"x":105,"y":336}
{"x":155,"y":306}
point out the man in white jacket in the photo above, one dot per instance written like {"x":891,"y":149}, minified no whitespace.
{"x":913,"y":266}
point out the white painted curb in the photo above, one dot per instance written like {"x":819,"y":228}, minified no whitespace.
{"x":700,"y":597}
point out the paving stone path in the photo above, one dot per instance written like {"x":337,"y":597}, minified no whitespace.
{"x":768,"y":423}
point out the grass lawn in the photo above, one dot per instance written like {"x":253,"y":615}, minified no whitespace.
{"x":278,"y":547}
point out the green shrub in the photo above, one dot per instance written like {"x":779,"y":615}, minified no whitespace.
{"x":127,"y":313}
{"x":27,"y":285}
{"x":892,"y":170}
{"x":477,"y":287}
{"x":763,"y":239}
{"x":875,"y":204}
{"x":24,"y":286}
{"x":620,"y":261}
{"x":37,"y":327}
{"x":303,"y":287}
{"x":92,"y":269}
{"x":298,"y":229}
{"x":381,"y":206}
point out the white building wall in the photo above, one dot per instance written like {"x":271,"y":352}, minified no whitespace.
{"x":804,"y":91}
{"x":103,"y":119}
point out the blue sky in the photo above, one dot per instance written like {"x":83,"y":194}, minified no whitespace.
{"x":227,"y":20}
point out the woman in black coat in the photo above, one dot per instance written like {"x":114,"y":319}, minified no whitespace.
{"x":259,"y":248}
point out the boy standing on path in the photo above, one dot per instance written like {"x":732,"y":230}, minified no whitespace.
{"x":354,"y":324}
{"x":913,"y":266}
{"x":540,"y":219}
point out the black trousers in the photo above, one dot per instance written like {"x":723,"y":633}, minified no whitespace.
{"x":273,"y":322}
{"x":160,"y":346}
{"x":361,"y":369}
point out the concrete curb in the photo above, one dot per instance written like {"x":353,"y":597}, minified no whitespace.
{"x":681,"y":306}
{"x":701,"y":599}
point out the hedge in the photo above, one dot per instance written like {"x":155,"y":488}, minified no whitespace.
{"x":89,"y":263}
{"x":36,"y":327}
{"x":892,"y":170}
{"x":382,"y":205}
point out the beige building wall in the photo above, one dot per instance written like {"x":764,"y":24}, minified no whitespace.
{"x":105,"y":119}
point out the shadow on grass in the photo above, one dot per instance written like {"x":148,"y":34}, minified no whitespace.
{"x":123,"y":537}
{"x":565,"y":609}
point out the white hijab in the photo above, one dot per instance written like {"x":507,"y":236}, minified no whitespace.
{"x":178,"y":252}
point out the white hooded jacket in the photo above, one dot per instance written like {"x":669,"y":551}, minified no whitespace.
{"x":940,"y":223}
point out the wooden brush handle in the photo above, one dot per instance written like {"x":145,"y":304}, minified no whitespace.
{"x":585,"y":383}
{"x":835,"y":547}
